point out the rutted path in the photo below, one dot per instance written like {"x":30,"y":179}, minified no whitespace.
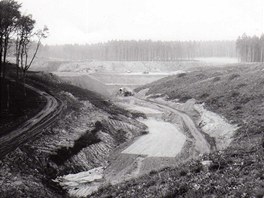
{"x":201,"y":143}
{"x":33,"y":126}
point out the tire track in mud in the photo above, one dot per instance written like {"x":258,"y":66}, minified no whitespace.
{"x":32,"y":127}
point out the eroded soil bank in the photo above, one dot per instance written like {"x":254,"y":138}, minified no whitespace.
{"x":152,"y":151}
{"x":172,"y":139}
{"x":62,"y":148}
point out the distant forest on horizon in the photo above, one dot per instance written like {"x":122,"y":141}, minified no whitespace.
{"x":250,"y":48}
{"x":142,"y":50}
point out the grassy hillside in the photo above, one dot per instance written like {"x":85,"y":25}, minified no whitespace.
{"x":235,"y":93}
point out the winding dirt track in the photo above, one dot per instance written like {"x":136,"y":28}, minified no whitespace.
{"x":201,"y":143}
{"x":32,"y":127}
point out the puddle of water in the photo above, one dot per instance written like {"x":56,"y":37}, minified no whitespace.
{"x":163,"y":140}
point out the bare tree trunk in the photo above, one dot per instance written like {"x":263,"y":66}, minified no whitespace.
{"x":8,"y":98}
{"x":1,"y":54}
{"x":1,"y":64}
{"x":253,"y":55}
{"x":26,"y":60}
{"x":261,"y":54}
{"x":18,"y":53}
{"x":34,"y":56}
{"x":4,"y":58}
{"x":24,"y":82}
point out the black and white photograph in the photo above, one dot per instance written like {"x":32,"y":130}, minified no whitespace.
{"x":131,"y":99}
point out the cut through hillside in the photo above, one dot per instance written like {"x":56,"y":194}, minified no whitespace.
{"x":86,"y":116}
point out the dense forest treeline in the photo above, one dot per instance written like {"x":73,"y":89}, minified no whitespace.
{"x":250,"y":48}
{"x":143,"y":50}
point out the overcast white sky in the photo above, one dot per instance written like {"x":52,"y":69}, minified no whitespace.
{"x":91,"y":21}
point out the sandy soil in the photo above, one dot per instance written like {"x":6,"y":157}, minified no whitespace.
{"x":82,"y":184}
{"x":215,"y":126}
{"x":163,"y":140}
{"x":211,"y":123}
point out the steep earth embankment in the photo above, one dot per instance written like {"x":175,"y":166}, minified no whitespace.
{"x":86,"y":82}
{"x":88,"y":130}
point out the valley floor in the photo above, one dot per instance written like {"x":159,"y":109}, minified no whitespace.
{"x":172,"y":138}
{"x":102,"y":147}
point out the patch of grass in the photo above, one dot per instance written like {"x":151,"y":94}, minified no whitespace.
{"x":241,"y":85}
{"x":184,"y":98}
{"x":233,"y":76}
{"x":181,"y":75}
{"x":204,"y":95}
{"x":225,"y":177}
{"x":235,"y":94}
{"x":216,"y":79}
{"x":138,"y":115}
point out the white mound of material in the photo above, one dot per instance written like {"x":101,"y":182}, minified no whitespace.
{"x":82,"y":184}
{"x":163,"y":140}
{"x":216,"y":126}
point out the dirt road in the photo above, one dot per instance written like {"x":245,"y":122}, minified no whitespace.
{"x":201,"y":144}
{"x":33,"y":126}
